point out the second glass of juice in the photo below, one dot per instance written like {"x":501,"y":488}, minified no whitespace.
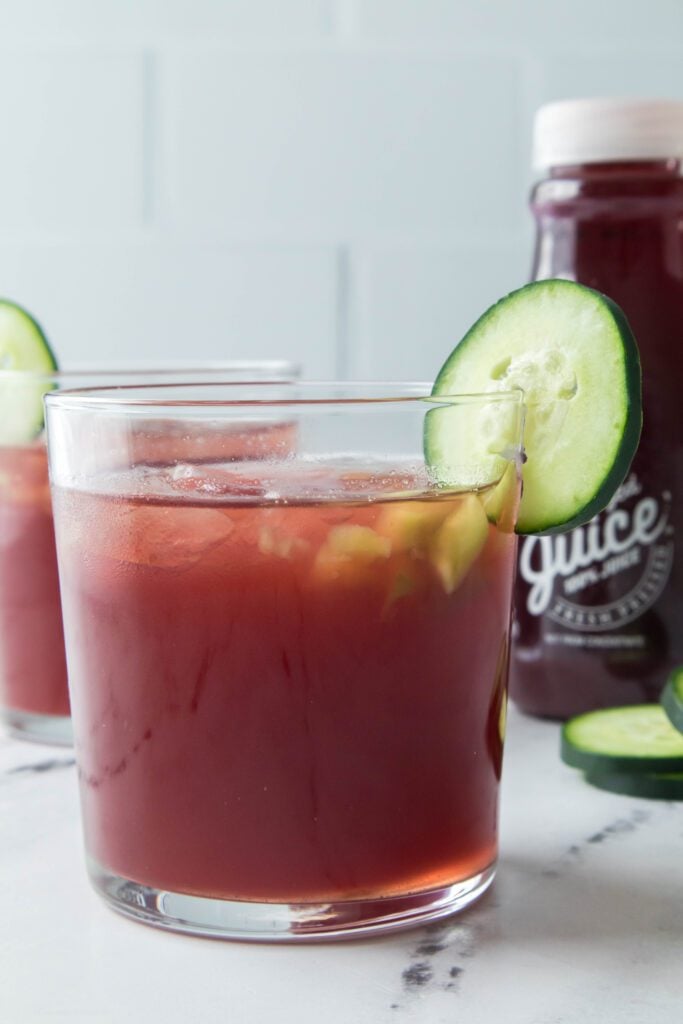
{"x":288,"y":672}
{"x":34,"y":698}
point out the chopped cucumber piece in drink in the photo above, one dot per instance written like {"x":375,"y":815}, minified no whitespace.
{"x":359,"y":542}
{"x":571,"y":351}
{"x":409,"y":526}
{"x":500,"y":501}
{"x":458,"y":542}
{"x":23,"y":347}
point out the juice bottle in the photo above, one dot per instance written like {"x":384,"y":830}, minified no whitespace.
{"x":599,"y":611}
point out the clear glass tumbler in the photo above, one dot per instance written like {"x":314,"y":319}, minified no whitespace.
{"x":287,"y":651}
{"x":34,"y":699}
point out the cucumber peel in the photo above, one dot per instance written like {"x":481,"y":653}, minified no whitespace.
{"x":571,"y":351}
{"x":25,"y":349}
{"x":635,"y":740}
{"x":657,"y":786}
{"x":672,"y":698}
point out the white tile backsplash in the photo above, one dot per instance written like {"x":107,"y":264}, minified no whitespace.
{"x":533,"y":25}
{"x":340,"y":181}
{"x":72,"y":130}
{"x":143,"y":20}
{"x":658,"y":74}
{"x":412,"y":306}
{"x":150,"y":301}
{"x":338,"y":146}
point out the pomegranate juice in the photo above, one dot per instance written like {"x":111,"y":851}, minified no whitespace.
{"x":32,"y":662}
{"x":286,"y":701}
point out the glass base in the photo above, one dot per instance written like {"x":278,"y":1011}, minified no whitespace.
{"x":283,"y":922}
{"x":24,"y":725}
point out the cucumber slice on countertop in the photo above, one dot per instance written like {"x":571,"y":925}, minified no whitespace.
{"x":571,"y":351}
{"x":672,"y":698}
{"x":630,"y":740}
{"x":658,"y":786}
{"x":23,"y":347}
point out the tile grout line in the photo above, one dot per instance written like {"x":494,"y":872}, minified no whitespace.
{"x":342,"y":318}
{"x":149,"y":136}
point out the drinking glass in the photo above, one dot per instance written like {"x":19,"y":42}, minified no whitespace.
{"x":287,"y":651}
{"x":34,"y":700}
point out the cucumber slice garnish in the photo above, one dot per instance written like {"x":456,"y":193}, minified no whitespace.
{"x":658,"y":786}
{"x":571,"y":351}
{"x":23,"y":347}
{"x":672,"y":698}
{"x":631,"y":740}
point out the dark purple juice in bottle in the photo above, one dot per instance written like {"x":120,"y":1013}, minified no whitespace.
{"x":599,"y":611}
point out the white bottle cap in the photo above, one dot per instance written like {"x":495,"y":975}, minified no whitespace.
{"x":596,"y":130}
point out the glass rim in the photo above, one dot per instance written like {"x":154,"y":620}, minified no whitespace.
{"x":360,"y":393}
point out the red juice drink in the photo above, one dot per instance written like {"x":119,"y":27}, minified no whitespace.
{"x":276,"y":703}
{"x":288,"y":685}
{"x":34,"y":698}
{"x":32,"y":661}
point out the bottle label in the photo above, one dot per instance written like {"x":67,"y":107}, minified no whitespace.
{"x":607,"y":573}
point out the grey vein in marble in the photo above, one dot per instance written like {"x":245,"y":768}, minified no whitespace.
{"x":435,"y":960}
{"x":38,"y":767}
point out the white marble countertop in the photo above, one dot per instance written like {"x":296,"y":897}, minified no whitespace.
{"x":583,"y":924}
